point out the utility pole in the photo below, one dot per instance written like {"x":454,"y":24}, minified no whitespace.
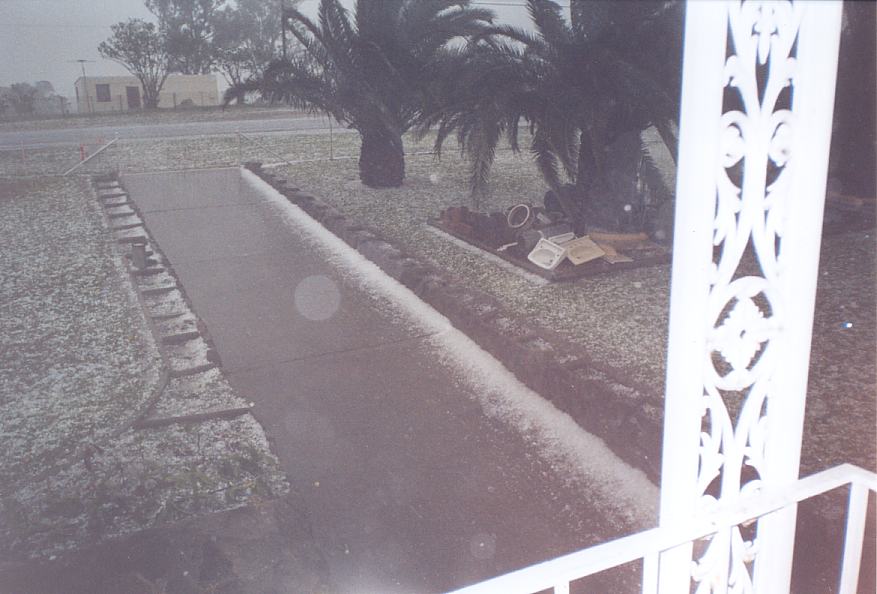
{"x":82,"y":63}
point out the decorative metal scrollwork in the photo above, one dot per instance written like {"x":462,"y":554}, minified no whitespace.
{"x":752,"y":194}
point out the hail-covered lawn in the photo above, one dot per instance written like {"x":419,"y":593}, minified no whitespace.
{"x":180,"y":153}
{"x":77,"y":358}
{"x":620,"y":319}
{"x":78,"y":365}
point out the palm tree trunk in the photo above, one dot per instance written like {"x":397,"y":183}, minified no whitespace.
{"x":381,"y":158}
{"x":588,"y":174}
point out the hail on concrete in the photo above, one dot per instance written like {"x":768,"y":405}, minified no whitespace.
{"x":569,"y":448}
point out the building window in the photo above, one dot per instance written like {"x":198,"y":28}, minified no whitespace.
{"x":102,"y":92}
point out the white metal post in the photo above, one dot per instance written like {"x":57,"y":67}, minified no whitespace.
{"x":699,"y":129}
{"x":758,"y":91}
{"x":853,"y":539}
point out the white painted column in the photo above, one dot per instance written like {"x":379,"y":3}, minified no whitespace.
{"x":812,"y":106}
{"x":699,"y":130}
{"x":757,"y":99}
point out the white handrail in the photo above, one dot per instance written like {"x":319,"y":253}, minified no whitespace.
{"x":562,"y":570}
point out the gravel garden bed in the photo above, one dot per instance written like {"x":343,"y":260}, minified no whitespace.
{"x":620,"y":319}
{"x":613,"y":313}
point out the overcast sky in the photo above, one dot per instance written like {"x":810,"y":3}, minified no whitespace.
{"x":39,"y":39}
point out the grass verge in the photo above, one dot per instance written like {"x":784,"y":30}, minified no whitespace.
{"x":78,"y":365}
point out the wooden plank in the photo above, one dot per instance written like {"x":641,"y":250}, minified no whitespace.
{"x":227,"y":413}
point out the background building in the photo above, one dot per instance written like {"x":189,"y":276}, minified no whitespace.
{"x":100,"y":94}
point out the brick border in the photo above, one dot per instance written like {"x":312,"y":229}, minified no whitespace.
{"x":626,"y":415}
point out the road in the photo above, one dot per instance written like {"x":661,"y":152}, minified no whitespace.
{"x":96,"y":134}
{"x":424,"y":466}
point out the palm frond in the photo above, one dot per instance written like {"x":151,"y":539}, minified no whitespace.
{"x":523,"y":36}
{"x":547,"y":17}
{"x":651,"y":175}
{"x":338,"y":34}
{"x":239,"y":90}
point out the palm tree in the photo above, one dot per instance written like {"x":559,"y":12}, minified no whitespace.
{"x":577,"y":89}
{"x":372,"y":71}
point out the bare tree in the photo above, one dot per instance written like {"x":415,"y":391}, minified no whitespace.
{"x":138,"y":47}
{"x":188,"y":28}
{"x":247,"y":38}
{"x":23,"y":96}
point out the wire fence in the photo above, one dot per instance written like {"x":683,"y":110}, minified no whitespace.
{"x":319,"y":139}
{"x":316,"y":142}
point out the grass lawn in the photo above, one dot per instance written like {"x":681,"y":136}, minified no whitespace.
{"x":79,"y":365}
{"x":77,"y":355}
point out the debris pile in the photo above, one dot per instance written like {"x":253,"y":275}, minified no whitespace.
{"x":551,"y":240}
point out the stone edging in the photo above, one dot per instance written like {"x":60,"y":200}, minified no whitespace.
{"x":628,"y":417}
{"x":181,"y":337}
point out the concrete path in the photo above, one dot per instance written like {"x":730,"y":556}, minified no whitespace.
{"x":419,"y":471}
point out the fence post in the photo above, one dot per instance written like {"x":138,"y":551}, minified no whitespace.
{"x":331,"y":143}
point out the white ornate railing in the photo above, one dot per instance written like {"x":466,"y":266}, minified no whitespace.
{"x":558,"y":573}
{"x":755,"y":130}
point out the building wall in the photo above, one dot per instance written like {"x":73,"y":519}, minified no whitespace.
{"x":179,"y":91}
{"x":86,"y":93}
